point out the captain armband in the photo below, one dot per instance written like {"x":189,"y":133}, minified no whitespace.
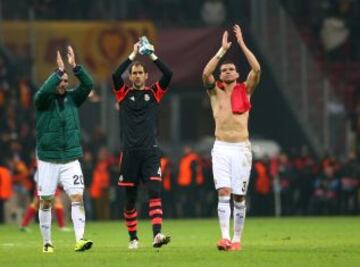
{"x":210,"y":86}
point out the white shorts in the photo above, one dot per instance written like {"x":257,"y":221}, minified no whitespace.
{"x":69,"y":175}
{"x":231,"y":163}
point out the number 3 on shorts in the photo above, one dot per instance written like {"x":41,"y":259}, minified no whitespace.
{"x":243,"y":187}
{"x":78,"y":179}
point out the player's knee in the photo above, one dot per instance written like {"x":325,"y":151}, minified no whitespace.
{"x":46,"y":202}
{"x":223,"y":192}
{"x":239,"y":198}
{"x":76,"y":198}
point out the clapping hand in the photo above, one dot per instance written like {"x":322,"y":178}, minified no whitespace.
{"x":59,"y":61}
{"x":225,"y":43}
{"x":238,"y":33}
{"x":71,"y":57}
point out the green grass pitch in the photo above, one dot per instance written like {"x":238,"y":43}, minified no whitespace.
{"x":325,"y":241}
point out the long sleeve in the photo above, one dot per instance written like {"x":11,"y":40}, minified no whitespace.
{"x":117,"y":79}
{"x":44,"y":95}
{"x":167,"y":73}
{"x":81,"y":93}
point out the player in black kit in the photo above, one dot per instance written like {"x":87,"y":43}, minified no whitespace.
{"x":140,"y":155}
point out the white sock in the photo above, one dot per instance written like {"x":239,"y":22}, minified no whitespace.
{"x":239,"y":219}
{"x":45,"y":224}
{"x":224,"y":214}
{"x":78,"y":218}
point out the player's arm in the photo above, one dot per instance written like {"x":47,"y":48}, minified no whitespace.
{"x":160,"y":88}
{"x":81,"y":93}
{"x":49,"y":87}
{"x":253,"y":77}
{"x":117,"y":75}
{"x":166,"y":72}
{"x":207,"y":76}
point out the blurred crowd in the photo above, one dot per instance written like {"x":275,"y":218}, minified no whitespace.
{"x":334,"y":24}
{"x":305,"y":186}
{"x":331,"y":30}
{"x":293,"y":183}
{"x":302,"y":184}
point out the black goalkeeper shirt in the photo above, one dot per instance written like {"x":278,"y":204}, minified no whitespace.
{"x":138,"y":113}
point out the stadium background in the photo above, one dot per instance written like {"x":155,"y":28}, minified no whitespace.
{"x":305,"y":116}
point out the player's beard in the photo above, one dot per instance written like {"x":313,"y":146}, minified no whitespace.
{"x":229,"y":81}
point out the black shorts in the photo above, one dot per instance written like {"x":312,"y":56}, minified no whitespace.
{"x":139,"y":166}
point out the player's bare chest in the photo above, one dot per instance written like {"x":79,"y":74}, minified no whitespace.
{"x":222,"y":101}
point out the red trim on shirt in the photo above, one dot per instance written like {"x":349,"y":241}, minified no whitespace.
{"x":159,"y":93}
{"x":121,"y":93}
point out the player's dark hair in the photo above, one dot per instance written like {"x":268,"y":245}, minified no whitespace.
{"x":137,"y":63}
{"x":227,"y":61}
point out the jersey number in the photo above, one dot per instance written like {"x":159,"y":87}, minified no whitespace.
{"x":78,"y":179}
{"x":244,"y":187}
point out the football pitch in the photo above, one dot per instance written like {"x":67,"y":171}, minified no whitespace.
{"x":300,"y":241}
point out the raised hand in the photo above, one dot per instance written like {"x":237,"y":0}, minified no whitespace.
{"x":136,"y":47}
{"x":238,"y":33}
{"x":225,"y":44}
{"x":71,"y":57}
{"x":146,"y":48}
{"x":59,"y":61}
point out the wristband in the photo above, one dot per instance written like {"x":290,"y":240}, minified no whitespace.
{"x":153,"y":56}
{"x":220,"y":53}
{"x":132,"y":56}
{"x":76,"y":69}
{"x":60,"y":72}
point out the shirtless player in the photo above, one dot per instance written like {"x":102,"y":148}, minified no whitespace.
{"x":231,"y":154}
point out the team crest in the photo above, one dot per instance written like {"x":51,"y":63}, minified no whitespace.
{"x":146,"y":97}
{"x":121,"y":178}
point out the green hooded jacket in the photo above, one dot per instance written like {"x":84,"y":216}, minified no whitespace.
{"x":57,"y":120}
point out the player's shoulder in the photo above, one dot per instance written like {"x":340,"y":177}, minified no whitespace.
{"x":123,"y":93}
{"x":216,"y":87}
{"x":157,"y":92}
